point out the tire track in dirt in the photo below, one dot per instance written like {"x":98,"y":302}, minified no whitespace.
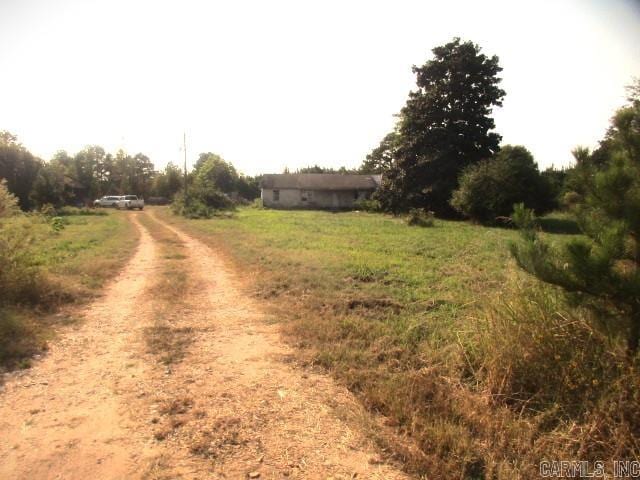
{"x":69,"y":416}
{"x":254,"y":411}
{"x":101,"y":405}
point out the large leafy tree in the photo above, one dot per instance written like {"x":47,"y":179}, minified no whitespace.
{"x":380,"y":159}
{"x":212,"y":171}
{"x":88,"y":169}
{"x":18,"y":167}
{"x":602,"y":269}
{"x":445,"y":126}
{"x":143,"y":173}
{"x":49,"y":186}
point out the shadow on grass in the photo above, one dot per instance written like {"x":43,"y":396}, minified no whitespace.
{"x":550,"y":224}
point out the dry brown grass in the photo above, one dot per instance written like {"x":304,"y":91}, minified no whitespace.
{"x":166,"y":339}
{"x":168,"y":343}
{"x":475,"y":377}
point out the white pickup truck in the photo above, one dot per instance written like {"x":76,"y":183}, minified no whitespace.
{"x":129,"y":202}
{"x":106,"y":201}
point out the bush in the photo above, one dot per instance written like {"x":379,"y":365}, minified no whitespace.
{"x":420,"y":217}
{"x":489,"y":189}
{"x":57,"y":223}
{"x":8,"y":201}
{"x":48,"y":210}
{"x":190,"y":208}
{"x":19,"y":278}
{"x":17,"y":339}
{"x":257,"y":204}
{"x":368,"y":205}
{"x":201,"y":203}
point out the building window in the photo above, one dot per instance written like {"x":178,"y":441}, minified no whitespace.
{"x":355,"y":195}
{"x":276,"y":195}
{"x":306,"y":195}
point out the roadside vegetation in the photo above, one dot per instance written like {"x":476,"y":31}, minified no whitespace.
{"x":437,"y":329}
{"x":49,"y":260}
{"x":213,"y":184}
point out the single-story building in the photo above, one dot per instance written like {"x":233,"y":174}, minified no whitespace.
{"x":316,"y":190}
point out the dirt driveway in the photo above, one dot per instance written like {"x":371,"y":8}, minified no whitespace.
{"x":226,"y":402}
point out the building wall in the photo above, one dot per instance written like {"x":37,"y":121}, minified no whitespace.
{"x":294,"y":198}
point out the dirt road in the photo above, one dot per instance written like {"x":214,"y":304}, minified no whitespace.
{"x":225,"y":402}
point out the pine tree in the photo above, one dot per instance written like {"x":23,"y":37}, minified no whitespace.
{"x":602,"y":269}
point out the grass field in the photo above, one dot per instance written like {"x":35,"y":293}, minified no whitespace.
{"x":48,"y":264}
{"x":420,"y":282}
{"x":485,"y":370}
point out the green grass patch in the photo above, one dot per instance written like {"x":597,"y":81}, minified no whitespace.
{"x":44,"y":267}
{"x":437,"y":329}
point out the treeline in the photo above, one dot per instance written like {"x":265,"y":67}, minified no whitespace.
{"x":443,"y":155}
{"x":319,"y":169}
{"x":92,"y":172}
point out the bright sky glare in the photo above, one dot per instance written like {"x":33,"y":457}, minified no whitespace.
{"x":269,"y":84}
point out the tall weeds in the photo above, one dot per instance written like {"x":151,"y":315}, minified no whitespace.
{"x":46,"y":262}
{"x":569,"y":389}
{"x":20,"y":280}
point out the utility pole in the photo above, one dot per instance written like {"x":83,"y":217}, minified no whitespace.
{"x":184,"y":145}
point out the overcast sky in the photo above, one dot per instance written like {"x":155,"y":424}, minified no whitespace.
{"x":269,"y":84}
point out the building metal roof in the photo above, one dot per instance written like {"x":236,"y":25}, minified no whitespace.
{"x":320,"y":181}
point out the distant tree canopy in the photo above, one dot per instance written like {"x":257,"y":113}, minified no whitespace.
{"x":445,"y":126}
{"x":556,"y":180}
{"x":489,"y":188}
{"x":168,"y":182}
{"x":18,"y":167}
{"x":93,"y":172}
{"x":67,"y":179}
{"x":212,"y":172}
{"x":319,"y":169}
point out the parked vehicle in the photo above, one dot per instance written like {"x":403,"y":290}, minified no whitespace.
{"x":107,"y":201}
{"x":129,"y":202}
